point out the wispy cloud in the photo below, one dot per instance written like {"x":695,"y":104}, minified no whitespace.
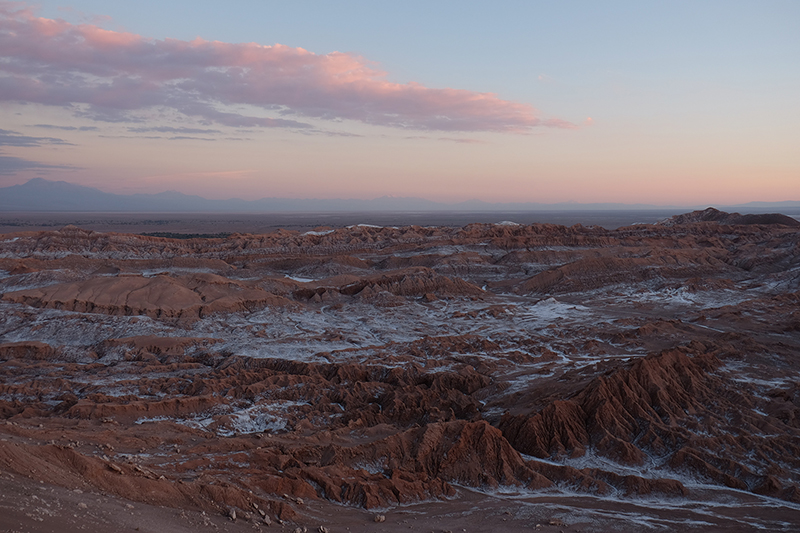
{"x":115,"y":76}
{"x":171,"y":129}
{"x":458,"y":140}
{"x":462,"y":141}
{"x":12,"y":138}
{"x":329,"y":133}
{"x":65,"y":128}
{"x":11,"y":165}
{"x":188,"y":138}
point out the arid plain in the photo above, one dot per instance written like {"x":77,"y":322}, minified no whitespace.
{"x":491,"y":376}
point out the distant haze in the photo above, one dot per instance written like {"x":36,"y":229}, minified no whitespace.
{"x":40,"y":195}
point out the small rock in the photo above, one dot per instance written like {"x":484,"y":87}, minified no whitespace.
{"x":379,"y":518}
{"x":267,"y":521}
{"x":82,"y":505}
{"x":323,"y":529}
{"x":232,"y":514}
{"x":556,"y":522}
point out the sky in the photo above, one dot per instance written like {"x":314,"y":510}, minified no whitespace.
{"x":663,"y":103}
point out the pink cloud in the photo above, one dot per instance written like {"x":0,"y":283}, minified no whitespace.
{"x":116,"y":74}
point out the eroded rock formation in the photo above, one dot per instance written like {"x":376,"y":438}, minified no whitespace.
{"x":373,"y":367}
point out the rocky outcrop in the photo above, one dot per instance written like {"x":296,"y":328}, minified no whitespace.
{"x":411,"y":282}
{"x":160,"y":296}
{"x":721,"y":217}
{"x":670,"y":405}
{"x":65,"y":466}
{"x":31,"y":350}
{"x":659,"y":267}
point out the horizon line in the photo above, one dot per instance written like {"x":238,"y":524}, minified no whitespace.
{"x":448,"y":205}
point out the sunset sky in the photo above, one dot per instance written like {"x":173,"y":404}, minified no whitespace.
{"x":681,"y":103}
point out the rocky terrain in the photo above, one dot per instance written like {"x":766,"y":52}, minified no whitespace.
{"x":483,"y":378}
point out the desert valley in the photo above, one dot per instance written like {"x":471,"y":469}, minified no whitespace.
{"x":355,"y":267}
{"x":488,"y":377}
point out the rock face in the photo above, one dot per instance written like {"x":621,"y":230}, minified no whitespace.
{"x":721,"y":217}
{"x":648,"y":403}
{"x":30,"y":350}
{"x":161,"y":296}
{"x":669,"y":406}
{"x":374,"y":367}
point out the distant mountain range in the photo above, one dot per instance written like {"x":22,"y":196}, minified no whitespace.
{"x":44,"y":195}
